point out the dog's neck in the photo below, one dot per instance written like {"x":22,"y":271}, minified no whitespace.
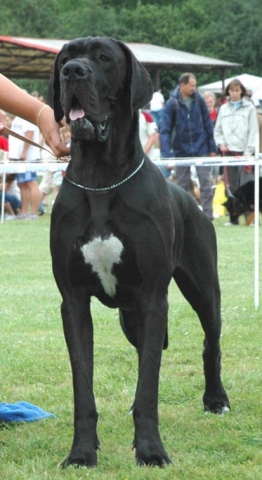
{"x":101,"y":164}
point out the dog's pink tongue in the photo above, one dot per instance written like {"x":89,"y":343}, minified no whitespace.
{"x":75,"y":114}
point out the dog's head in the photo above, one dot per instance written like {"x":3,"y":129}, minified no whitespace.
{"x":235,"y":207}
{"x":92,"y":77}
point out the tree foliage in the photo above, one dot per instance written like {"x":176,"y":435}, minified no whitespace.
{"x":231,"y":32}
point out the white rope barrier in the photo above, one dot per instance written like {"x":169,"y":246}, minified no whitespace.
{"x":39,"y":167}
{"x":22,"y":167}
{"x":208,"y":161}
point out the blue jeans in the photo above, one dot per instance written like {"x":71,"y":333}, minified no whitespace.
{"x":14,"y":201}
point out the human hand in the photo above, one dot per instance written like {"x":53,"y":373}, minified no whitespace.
{"x":220,"y":178}
{"x":50,"y":130}
{"x":248,"y":168}
{"x":223,"y":148}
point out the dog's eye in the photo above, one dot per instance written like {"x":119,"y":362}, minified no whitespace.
{"x":103,"y":57}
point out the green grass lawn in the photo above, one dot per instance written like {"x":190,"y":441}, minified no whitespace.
{"x":35,"y":368}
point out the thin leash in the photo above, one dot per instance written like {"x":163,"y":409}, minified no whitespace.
{"x":227,"y":182}
{"x":8,"y":131}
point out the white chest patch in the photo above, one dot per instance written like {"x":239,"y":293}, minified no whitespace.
{"x":102,"y":254}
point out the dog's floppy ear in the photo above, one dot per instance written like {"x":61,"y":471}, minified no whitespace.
{"x":138,"y":80}
{"x":53,"y":96}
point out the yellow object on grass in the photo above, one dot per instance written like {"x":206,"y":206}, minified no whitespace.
{"x":219,"y":197}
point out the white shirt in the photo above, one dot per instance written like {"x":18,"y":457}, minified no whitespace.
{"x":146,"y":128}
{"x":21,"y":126}
{"x":157,"y":102}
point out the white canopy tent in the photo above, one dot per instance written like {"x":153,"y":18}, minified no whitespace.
{"x":251,"y":82}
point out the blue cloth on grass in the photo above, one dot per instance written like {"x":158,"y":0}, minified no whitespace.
{"x":22,"y":412}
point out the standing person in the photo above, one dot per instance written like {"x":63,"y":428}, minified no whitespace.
{"x":210,"y":101}
{"x":186,"y":131}
{"x":27,"y":182}
{"x":235,"y":133}
{"x":148,"y":134}
{"x":157,"y":106}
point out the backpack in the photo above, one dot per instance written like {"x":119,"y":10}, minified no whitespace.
{"x":175,"y":104}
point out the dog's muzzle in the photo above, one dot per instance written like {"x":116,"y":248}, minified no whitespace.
{"x":84,"y":129}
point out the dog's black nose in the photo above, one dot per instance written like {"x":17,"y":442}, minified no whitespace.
{"x":73,"y":70}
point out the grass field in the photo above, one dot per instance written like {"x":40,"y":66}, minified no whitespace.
{"x":35,"y":368}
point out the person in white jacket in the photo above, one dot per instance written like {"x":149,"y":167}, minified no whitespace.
{"x":235,"y":133}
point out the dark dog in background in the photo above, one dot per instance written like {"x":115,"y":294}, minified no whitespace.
{"x":242,"y":202}
{"x":120,"y":232}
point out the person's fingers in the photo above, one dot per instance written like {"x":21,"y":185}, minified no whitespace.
{"x":61,"y":150}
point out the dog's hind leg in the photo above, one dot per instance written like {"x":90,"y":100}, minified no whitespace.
{"x":200,"y":286}
{"x":78,"y":330}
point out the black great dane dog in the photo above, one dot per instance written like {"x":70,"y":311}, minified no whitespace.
{"x":120,"y":232}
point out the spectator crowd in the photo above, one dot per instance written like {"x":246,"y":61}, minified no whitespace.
{"x":195,"y":125}
{"x":25,"y":197}
{"x":188,"y":124}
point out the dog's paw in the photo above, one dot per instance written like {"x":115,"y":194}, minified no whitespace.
{"x":154,"y":460}
{"x":219,"y":411}
{"x":216,"y":402}
{"x":88,"y":460}
{"x":218,"y":406}
{"x":152,"y":456}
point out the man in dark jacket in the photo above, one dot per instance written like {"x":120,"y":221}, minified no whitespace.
{"x":186,"y":131}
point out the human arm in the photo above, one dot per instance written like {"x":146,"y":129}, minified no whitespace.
{"x":152,"y":140}
{"x":147,"y":131}
{"x":16,"y":101}
{"x":218,"y":134}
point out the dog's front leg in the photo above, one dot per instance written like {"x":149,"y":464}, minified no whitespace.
{"x":151,"y":334}
{"x":78,"y":330}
